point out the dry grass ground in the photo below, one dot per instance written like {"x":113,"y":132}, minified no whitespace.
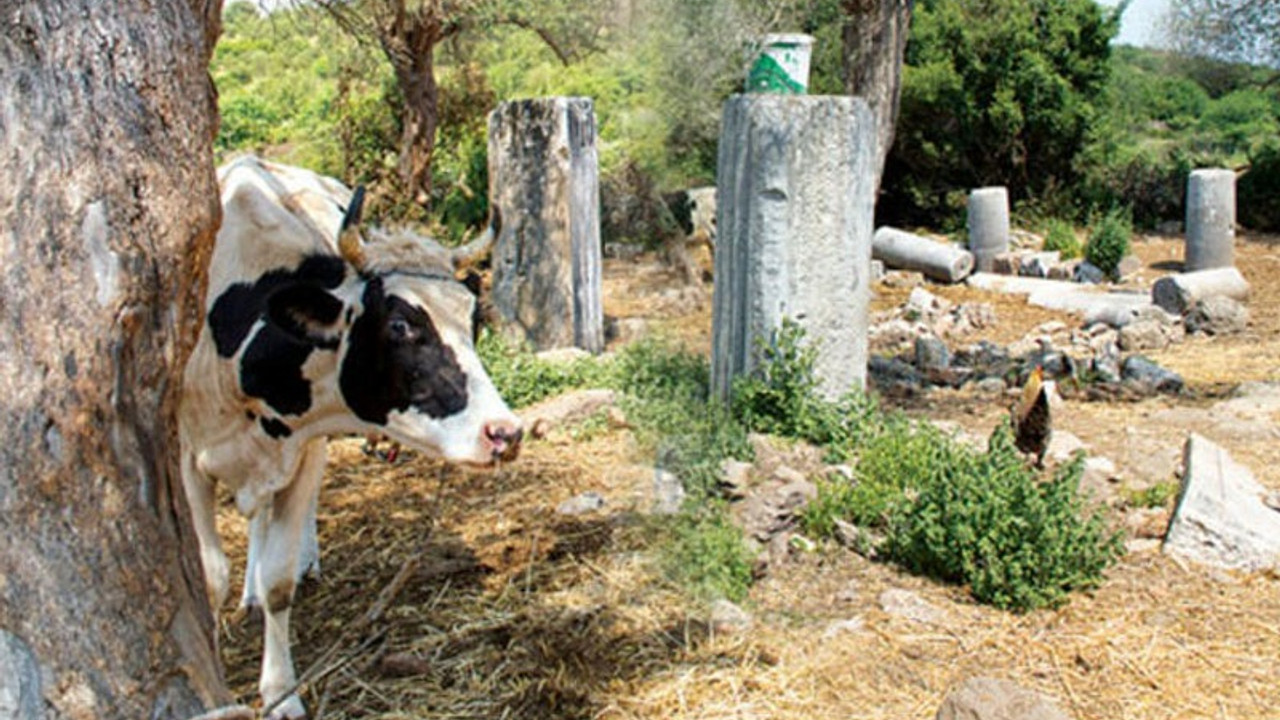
{"x":510,"y":610}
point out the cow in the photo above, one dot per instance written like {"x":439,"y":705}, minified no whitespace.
{"x":310,"y":332}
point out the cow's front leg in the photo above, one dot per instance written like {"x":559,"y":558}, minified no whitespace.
{"x":277,"y":569}
{"x":202,"y":502}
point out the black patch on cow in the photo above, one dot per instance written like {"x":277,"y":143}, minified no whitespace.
{"x":397,"y":360}
{"x":242,"y":304}
{"x":275,"y":428}
{"x":271,"y":369}
{"x":308,"y":312}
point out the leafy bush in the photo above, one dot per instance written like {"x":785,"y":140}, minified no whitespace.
{"x":1000,"y":92}
{"x":1062,"y":237}
{"x":988,"y":521}
{"x":1109,"y":242}
{"x":523,"y":379}
{"x":1259,"y":190}
{"x":707,"y":555}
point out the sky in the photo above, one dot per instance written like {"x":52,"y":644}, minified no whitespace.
{"x":1141,"y":23}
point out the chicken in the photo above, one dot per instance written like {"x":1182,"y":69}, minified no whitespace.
{"x":1031,"y":416}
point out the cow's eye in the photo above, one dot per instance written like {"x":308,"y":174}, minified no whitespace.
{"x":398,"y":330}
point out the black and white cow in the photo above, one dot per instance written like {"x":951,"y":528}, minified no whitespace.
{"x":310,"y":332}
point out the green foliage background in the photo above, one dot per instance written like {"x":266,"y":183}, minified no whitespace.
{"x":1029,"y":95}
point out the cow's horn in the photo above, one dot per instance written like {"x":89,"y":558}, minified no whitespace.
{"x":349,"y":243}
{"x":471,"y":253}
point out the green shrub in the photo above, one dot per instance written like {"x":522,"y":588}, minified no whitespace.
{"x":1062,"y":237}
{"x":988,"y":521}
{"x":523,"y":379}
{"x":1109,"y":242}
{"x":1259,"y":190}
{"x":707,"y":554}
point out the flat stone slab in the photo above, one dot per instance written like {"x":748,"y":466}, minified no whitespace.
{"x":1222,"y":518}
{"x":1064,"y":295}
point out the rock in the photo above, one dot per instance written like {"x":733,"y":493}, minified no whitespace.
{"x":772,"y":453}
{"x":924,"y":305}
{"x":877,"y":270}
{"x":727,"y":617}
{"x":973,"y":316}
{"x":1007,"y":263}
{"x":1149,"y":375}
{"x":982,"y":698}
{"x":573,"y":406}
{"x":563,"y":356}
{"x":991,"y":386}
{"x":1038,"y":264}
{"x":668,"y":493}
{"x":932,"y":353}
{"x":1128,"y":266}
{"x":1217,"y":315}
{"x":860,"y":540}
{"x":1063,"y":446}
{"x":1144,"y":335}
{"x":909,"y":605}
{"x":1087,"y":272}
{"x":581,"y":504}
{"x":773,"y":506}
{"x":851,"y":626}
{"x":1221,"y":519}
{"x":888,"y":372}
{"x":1063,"y":270}
{"x":735,"y":476}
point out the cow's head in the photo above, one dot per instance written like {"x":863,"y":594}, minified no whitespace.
{"x":405,"y":339}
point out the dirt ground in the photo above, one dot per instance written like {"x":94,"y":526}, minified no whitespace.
{"x":512,"y":610}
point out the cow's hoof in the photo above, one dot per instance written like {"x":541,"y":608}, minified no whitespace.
{"x":290,"y":709}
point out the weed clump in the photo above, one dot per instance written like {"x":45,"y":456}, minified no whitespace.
{"x":1109,"y":242}
{"x":1062,"y":238}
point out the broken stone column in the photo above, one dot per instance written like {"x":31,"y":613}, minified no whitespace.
{"x":988,"y":225}
{"x":544,"y":181}
{"x":1211,"y":219}
{"x":938,"y":260}
{"x":1221,"y":518}
{"x":1178,"y":293}
{"x":795,"y":199}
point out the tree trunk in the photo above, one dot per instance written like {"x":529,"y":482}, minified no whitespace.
{"x":421,"y":113}
{"x":108,"y":205}
{"x":411,"y":51}
{"x":875,"y":39}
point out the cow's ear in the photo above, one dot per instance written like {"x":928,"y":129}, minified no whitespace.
{"x":307,"y":312}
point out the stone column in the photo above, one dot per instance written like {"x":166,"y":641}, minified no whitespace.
{"x":795,"y":194}
{"x":938,"y":260}
{"x":1211,"y":219}
{"x":988,"y":225}
{"x":544,"y":180}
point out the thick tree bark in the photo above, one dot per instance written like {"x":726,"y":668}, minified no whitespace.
{"x":108,"y":205}
{"x":415,"y":74}
{"x":875,"y":39}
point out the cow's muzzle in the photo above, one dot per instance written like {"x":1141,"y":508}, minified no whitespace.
{"x":503,"y":438}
